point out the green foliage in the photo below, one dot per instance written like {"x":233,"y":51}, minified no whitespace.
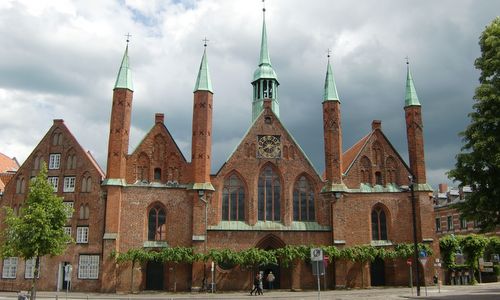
{"x":253,"y":257}
{"x":449,"y":246}
{"x":478,"y":164}
{"x":290,"y":253}
{"x":39,"y":229}
{"x":175,"y":255}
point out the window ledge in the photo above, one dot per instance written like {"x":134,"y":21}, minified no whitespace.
{"x":155,"y":244}
{"x":381,"y":243}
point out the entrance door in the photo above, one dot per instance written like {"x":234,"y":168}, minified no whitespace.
{"x":63,"y":284}
{"x":377,"y":272}
{"x":154,"y":276}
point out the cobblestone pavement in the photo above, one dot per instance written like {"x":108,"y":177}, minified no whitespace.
{"x":489,"y":291}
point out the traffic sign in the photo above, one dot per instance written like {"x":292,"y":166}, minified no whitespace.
{"x":316,"y":254}
{"x":423,"y":253}
{"x":409,"y":261}
{"x":423,"y":260}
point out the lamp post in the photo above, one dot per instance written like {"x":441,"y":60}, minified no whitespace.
{"x":415,"y":242}
{"x":201,"y":195}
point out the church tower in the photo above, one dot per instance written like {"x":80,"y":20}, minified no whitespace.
{"x":116,"y":169}
{"x":120,"y":121}
{"x":265,"y":81}
{"x":201,"y":146}
{"x":414,"y":130}
{"x":332,"y":131}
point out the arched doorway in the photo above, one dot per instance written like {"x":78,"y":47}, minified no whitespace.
{"x":377,"y":272}
{"x":154,"y":276}
{"x":271,"y":242}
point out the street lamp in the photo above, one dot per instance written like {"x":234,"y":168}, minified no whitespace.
{"x":415,"y":242}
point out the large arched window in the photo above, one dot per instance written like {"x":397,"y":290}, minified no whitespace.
{"x":269,"y":195}
{"x":233,"y":199}
{"x":303,"y":200}
{"x":156,"y":224}
{"x":379,"y":224}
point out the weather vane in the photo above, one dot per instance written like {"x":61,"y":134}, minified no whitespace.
{"x":328,"y":52}
{"x":205,"y":42}
{"x":407,"y":60}
{"x":128,"y":37}
{"x":264,"y":5}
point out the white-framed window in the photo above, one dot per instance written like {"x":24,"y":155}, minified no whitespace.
{"x":69,"y":209}
{"x":54,"y":181}
{"x":88,"y":267}
{"x":9,"y":267}
{"x":69,"y":184}
{"x":82,"y":235}
{"x":29,"y":268}
{"x":67,"y":230}
{"x":54,"y":161}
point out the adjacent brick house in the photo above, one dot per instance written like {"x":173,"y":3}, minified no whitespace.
{"x":8,"y":167}
{"x":76,"y":178}
{"x":267,"y":194}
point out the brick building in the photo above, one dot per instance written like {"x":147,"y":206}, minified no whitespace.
{"x":448,"y":219}
{"x":267,"y":194}
{"x":8,"y":167}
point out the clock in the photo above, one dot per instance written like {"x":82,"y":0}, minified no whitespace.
{"x":269,"y":146}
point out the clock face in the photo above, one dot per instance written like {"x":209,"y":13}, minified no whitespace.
{"x":269,"y":146}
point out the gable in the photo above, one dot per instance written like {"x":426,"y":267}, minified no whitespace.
{"x":374,"y":161}
{"x":268,"y":140}
{"x":157,"y":158}
{"x":73,"y":159}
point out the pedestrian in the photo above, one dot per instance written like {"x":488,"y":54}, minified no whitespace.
{"x":270,"y":279}
{"x":261,"y":284}
{"x":255,"y":284}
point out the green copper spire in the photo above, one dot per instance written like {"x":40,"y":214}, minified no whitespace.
{"x":203,"y":81}
{"x":411,"y":95}
{"x":265,"y":81}
{"x":124,"y":79}
{"x":330,"y":93}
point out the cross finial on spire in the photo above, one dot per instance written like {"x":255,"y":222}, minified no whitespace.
{"x":128,"y":35}
{"x":407,"y":60}
{"x":205,"y":42}
{"x":328,"y":52}
{"x":264,"y":6}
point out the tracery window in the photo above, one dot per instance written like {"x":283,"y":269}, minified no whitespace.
{"x":379,"y":224}
{"x":303,"y":200}
{"x":391,"y":170}
{"x":156,"y":224}
{"x":233,"y":199}
{"x":366,"y":170}
{"x":269,"y":195}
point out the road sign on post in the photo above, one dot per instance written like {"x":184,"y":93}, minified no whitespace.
{"x":408,"y":261}
{"x":316,"y":258}
{"x":316,"y":254}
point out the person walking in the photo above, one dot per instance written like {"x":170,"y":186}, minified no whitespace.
{"x":261,"y":284}
{"x":270,"y":279}
{"x":255,"y":284}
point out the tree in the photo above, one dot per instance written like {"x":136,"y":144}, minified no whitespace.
{"x":38,"y":230}
{"x":478,"y":164}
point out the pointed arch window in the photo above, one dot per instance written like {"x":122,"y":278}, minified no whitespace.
{"x":233,"y":199}
{"x":269,"y":195}
{"x":379,"y":224}
{"x":303,"y":200}
{"x":391,"y":170}
{"x":366,"y":170}
{"x":156,"y":224}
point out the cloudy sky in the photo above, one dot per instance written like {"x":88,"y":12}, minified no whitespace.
{"x":59,"y":59}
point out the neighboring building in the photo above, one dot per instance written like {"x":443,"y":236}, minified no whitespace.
{"x":448,"y":219}
{"x":8,"y":167}
{"x":267,"y":194}
{"x":76,"y":178}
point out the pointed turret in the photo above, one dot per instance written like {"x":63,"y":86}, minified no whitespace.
{"x":203,"y":81}
{"x":411,"y":94}
{"x":330,"y":93}
{"x":201,"y":145}
{"x":265,"y":81}
{"x":332,"y":131}
{"x":124,"y":78}
{"x":414,"y":134}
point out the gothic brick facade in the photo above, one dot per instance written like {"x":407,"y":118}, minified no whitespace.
{"x":267,"y":194}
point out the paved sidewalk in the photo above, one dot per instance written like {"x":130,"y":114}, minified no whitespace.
{"x":488,"y":291}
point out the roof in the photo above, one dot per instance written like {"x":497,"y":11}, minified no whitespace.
{"x":124,"y":78}
{"x":411,"y":98}
{"x":8,"y":164}
{"x":352,"y":153}
{"x":203,"y":81}
{"x":330,"y":92}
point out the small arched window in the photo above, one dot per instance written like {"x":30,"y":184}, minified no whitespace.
{"x":379,"y":224}
{"x":378,"y":178}
{"x":366,"y":170}
{"x":303,"y":200}
{"x":157,"y":174}
{"x":156,"y":224}
{"x":233,"y":199}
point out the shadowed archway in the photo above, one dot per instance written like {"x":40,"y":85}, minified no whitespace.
{"x":271,"y":242}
